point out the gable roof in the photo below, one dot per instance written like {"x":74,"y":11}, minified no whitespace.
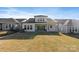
{"x":51,"y":21}
{"x":64,"y":21}
{"x":8,"y":20}
{"x":61,"y":21}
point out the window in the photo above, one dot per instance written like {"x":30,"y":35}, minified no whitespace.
{"x":30,"y":27}
{"x":50,"y":26}
{"x":24,"y":26}
{"x":38,"y":20}
{"x":43,"y":20}
{"x":6,"y":26}
{"x":75,"y":29}
{"x":13,"y":26}
{"x":10,"y":25}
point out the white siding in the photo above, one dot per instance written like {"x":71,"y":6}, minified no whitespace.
{"x":7,"y":27}
{"x":52,"y":28}
{"x":64,"y":28}
{"x":28,"y":24}
{"x":75,"y":24}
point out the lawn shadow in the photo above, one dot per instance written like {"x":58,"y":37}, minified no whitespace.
{"x":28,"y":35}
{"x":47,"y":33}
{"x":74,"y":35}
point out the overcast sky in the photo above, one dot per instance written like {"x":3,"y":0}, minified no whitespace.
{"x":52,"y":12}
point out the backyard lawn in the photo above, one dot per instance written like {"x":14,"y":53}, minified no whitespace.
{"x":39,"y":42}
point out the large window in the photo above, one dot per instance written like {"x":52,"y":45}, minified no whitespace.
{"x":30,"y":27}
{"x":75,"y":29}
{"x":38,"y":20}
{"x":13,"y":25}
{"x":9,"y":25}
{"x":6,"y":26}
{"x":50,"y":26}
{"x":43,"y":20}
{"x":25,"y":27}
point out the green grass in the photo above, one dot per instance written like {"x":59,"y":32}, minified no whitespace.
{"x":41,"y":42}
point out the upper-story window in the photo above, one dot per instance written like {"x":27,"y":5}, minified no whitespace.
{"x":41,"y":20}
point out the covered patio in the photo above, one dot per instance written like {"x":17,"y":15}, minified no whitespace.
{"x":40,"y":27}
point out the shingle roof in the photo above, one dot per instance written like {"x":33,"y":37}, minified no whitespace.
{"x":70,"y":23}
{"x":8,"y":20}
{"x":61,"y":21}
{"x":64,"y":21}
{"x":20,"y":20}
{"x":30,"y":20}
{"x":51,"y":21}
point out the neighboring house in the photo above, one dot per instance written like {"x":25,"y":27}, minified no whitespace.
{"x":40,"y":23}
{"x":68,"y":25}
{"x":8,"y":23}
{"x":64,"y":25}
